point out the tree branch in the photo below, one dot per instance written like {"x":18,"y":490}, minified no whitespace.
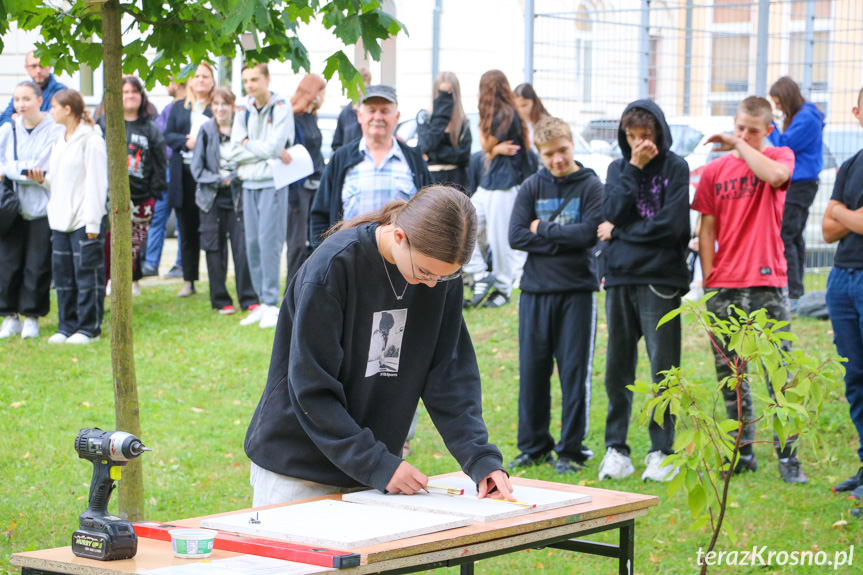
{"x":167,"y":22}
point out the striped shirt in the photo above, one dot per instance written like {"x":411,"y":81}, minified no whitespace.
{"x":367,"y":186}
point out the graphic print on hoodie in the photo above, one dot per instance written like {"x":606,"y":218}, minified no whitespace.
{"x":649,"y":208}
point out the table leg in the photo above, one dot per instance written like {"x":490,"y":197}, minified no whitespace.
{"x":467,"y":569}
{"x":627,"y":548}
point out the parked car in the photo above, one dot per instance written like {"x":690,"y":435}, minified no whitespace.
{"x":406,"y":131}
{"x":843,"y":141}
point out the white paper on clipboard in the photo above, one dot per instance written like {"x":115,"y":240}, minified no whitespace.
{"x":198,"y":120}
{"x":301,"y":166}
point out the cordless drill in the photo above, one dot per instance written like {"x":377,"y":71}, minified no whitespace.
{"x":101,"y":535}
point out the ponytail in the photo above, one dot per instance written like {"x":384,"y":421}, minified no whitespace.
{"x":73,"y":99}
{"x":383,"y":216}
{"x":87,"y":119}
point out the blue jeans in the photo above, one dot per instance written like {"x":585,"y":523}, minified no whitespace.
{"x":845,"y":304}
{"x":156,"y":237}
{"x":265,"y":212}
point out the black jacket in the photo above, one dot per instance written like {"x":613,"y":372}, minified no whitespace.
{"x":433,"y":139}
{"x":327,"y":205}
{"x":350,"y":363}
{"x":145,"y":155}
{"x":176,"y":133}
{"x":347,"y":127}
{"x":559,"y":255}
{"x":650,"y":212}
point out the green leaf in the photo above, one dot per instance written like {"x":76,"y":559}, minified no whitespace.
{"x":669,"y":316}
{"x":697,"y":501}
{"x":729,"y":425}
{"x":351,"y":79}
{"x":675,"y":484}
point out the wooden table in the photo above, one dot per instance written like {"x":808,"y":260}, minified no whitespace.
{"x":608,"y":510}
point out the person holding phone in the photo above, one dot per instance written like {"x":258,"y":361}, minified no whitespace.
{"x":444,"y":136}
{"x":25,"y":249}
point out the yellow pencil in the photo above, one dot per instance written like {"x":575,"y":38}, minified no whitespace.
{"x":522,"y":503}
{"x":448,"y":490}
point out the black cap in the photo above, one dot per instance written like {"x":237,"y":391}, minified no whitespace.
{"x":381,"y":91}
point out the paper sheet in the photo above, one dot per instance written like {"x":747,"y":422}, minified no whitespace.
{"x":244,"y":565}
{"x":301,"y":166}
{"x":198,"y":120}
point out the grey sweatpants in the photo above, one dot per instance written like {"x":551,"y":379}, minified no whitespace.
{"x":266,"y":217}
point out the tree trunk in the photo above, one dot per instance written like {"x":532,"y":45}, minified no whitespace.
{"x":122,"y":356}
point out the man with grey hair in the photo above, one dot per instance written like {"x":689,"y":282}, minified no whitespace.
{"x":369,"y":171}
{"x":44,"y":78}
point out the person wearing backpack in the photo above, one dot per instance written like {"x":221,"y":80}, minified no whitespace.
{"x":25,"y":248}
{"x":262,"y":131}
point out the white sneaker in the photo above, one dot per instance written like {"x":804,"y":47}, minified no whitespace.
{"x":11,"y":326}
{"x":30,"y":329}
{"x":81,"y":339}
{"x":694,"y":294}
{"x":136,"y":289}
{"x":655,"y":470}
{"x":270,"y":317}
{"x":57,"y":338}
{"x":254,"y":316}
{"x":615,"y":465}
{"x":108,"y":288}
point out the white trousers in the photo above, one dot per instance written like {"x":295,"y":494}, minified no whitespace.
{"x":494,"y":210}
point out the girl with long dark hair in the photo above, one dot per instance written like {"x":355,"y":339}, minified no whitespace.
{"x":25,"y":249}
{"x":505,"y":144}
{"x":530,"y":107}
{"x":145,"y":157}
{"x":444,"y":136}
{"x":219,"y":197}
{"x":359,"y":342}
{"x":181,"y":185}
{"x":801,"y":131}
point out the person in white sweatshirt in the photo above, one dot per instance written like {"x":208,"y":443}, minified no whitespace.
{"x":25,"y":249}
{"x":262,"y":131}
{"x":78,"y":181}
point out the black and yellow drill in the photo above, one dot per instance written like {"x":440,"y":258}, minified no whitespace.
{"x":101,"y":535}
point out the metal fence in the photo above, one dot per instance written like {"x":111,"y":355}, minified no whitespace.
{"x":697,"y":59}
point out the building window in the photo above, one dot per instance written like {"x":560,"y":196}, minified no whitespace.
{"x":729,"y":64}
{"x":85,"y":76}
{"x":729,"y":11}
{"x":822,"y":9}
{"x":819,"y":59}
{"x":584,"y":53}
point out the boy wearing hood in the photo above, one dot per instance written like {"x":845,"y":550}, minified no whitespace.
{"x":554,"y":220}
{"x":646,"y":208}
{"x":741,"y":197}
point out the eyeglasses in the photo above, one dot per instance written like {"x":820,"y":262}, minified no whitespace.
{"x":445,"y":278}
{"x":33,"y":66}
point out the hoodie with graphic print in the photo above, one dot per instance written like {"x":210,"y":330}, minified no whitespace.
{"x":649,"y":208}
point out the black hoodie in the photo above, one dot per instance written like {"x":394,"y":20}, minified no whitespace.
{"x":559,"y":255}
{"x":649,"y":208}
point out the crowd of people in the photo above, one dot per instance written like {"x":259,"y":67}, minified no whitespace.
{"x":381,"y":217}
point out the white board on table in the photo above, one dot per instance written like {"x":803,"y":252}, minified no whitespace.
{"x":335,"y":524}
{"x":468,"y":505}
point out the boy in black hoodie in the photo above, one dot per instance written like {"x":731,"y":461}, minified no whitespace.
{"x":646,"y":208}
{"x":554,"y":220}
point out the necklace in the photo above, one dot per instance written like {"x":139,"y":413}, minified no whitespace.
{"x":398,"y":297}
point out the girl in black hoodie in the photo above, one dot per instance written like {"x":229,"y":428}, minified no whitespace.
{"x":145,"y":155}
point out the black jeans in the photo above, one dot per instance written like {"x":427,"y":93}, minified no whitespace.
{"x":299,"y":249}
{"x":79,"y":276}
{"x":25,"y":268}
{"x":632,"y":312}
{"x":797,"y":202}
{"x":555,"y":326}
{"x":217,"y":227}
{"x":188,"y":221}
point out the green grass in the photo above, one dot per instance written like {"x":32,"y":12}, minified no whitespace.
{"x":200,"y":376}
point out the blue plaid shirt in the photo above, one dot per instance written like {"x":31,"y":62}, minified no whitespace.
{"x":367,"y":187}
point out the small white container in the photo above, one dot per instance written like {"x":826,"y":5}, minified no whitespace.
{"x":192,"y":543}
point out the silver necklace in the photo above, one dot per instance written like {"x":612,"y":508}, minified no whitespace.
{"x":398,"y":297}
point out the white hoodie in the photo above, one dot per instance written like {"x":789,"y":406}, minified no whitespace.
{"x":78,"y":181}
{"x":34,"y":149}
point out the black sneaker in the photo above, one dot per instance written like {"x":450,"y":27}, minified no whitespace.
{"x":743,"y":465}
{"x":481,"y":290}
{"x":566,"y":465}
{"x":496,"y":299}
{"x":857,"y":512}
{"x":586,"y":453}
{"x":525,"y":460}
{"x":791,"y":472}
{"x":175,"y":272}
{"x":149,"y":271}
{"x":849,"y":484}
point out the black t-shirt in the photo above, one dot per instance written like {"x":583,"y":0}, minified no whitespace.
{"x":849,"y":190}
{"x":312,"y":139}
{"x":506,"y":172}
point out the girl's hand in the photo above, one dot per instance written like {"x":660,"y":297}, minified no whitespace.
{"x":495,"y":485}
{"x":92,"y":236}
{"x":603,"y":232}
{"x":190,"y":142}
{"x":37,"y":175}
{"x":505,"y":149}
{"x":407,"y":479}
{"x":285,"y":157}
